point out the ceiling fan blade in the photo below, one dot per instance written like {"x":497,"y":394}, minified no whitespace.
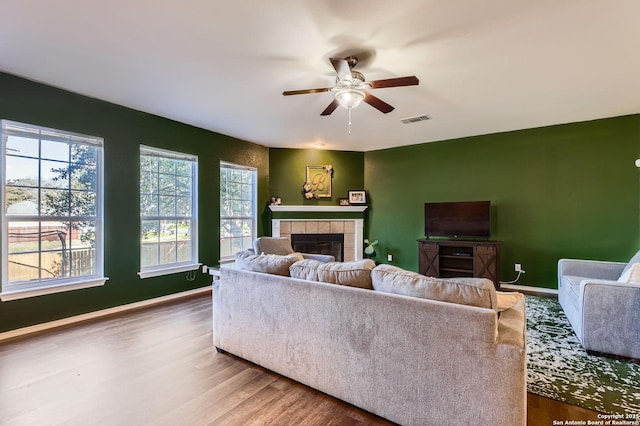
{"x":378,"y":103}
{"x":395,"y":82}
{"x":302,"y":92}
{"x":342,"y":68}
{"x":332,"y":107}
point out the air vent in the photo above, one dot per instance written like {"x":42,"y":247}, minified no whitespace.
{"x":415,"y":119}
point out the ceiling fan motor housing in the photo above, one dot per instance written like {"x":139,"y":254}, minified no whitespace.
{"x":356,"y":82}
{"x":357,"y":75}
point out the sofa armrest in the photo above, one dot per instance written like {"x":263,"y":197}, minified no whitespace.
{"x":590,"y":268}
{"x":326,"y":258}
{"x":610,"y":317}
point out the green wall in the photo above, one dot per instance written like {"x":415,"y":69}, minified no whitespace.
{"x":288,"y":174}
{"x":561,"y":191}
{"x":123,"y":131}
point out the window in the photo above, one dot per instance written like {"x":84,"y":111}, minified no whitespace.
{"x":168,"y":212}
{"x":238,"y":209}
{"x":52,"y":210}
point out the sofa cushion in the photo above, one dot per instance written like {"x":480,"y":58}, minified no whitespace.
{"x":572,"y":283}
{"x":296,"y":254}
{"x":635,"y":259}
{"x":270,"y":264}
{"x":272,"y":245}
{"x":507,"y":300}
{"x":353,"y":274}
{"x":466,"y":291}
{"x":631,"y":275}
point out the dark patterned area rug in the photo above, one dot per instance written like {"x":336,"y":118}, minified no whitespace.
{"x":559,"y":368}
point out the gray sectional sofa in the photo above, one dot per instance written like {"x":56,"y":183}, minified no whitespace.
{"x":407,"y":358}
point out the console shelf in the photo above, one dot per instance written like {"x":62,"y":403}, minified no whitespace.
{"x":457,"y":258}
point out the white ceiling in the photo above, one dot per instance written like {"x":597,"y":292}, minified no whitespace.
{"x":484,"y":66}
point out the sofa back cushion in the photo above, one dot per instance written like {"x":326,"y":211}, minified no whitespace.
{"x":632,"y":275}
{"x":466,"y":291}
{"x":635,"y":259}
{"x":272,"y":245}
{"x":353,"y":274}
{"x":269,"y":264}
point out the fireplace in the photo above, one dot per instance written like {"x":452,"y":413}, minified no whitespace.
{"x":328,"y":219}
{"x":350,"y":229}
{"x":332,"y":244}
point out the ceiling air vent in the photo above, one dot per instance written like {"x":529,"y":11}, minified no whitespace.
{"x":415,"y":119}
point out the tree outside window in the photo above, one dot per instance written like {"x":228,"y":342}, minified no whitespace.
{"x":167,"y":209}
{"x":52,"y":206}
{"x":238,"y":211}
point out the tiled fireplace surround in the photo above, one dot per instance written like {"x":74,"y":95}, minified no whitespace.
{"x":353,"y":229}
{"x":350,"y":228}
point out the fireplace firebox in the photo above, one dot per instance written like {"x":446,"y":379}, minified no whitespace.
{"x":332,"y":244}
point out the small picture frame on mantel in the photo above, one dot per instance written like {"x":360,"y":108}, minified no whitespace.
{"x":357,"y":197}
{"x":344,"y":201}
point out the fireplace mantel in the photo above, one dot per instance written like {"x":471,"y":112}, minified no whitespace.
{"x":318,"y":209}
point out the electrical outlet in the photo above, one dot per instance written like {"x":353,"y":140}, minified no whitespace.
{"x":390,"y":258}
{"x":205,"y":268}
{"x":518,"y":267}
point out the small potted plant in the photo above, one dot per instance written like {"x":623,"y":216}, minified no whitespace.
{"x":369,"y":249}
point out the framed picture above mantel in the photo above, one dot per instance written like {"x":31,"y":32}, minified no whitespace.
{"x":318,"y":183}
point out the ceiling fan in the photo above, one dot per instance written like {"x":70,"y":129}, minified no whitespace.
{"x":351,"y":87}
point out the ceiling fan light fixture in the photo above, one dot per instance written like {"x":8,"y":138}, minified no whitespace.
{"x":349,"y":98}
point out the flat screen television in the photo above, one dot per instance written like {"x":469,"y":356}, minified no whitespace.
{"x":460,"y":219}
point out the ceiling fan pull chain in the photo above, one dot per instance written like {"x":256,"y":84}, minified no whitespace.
{"x":349,"y":120}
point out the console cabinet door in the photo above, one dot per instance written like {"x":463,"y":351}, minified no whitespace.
{"x":428,"y":261}
{"x":485,"y":262}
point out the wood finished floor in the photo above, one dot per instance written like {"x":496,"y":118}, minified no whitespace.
{"x":158,"y":367}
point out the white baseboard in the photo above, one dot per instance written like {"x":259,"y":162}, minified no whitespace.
{"x":39,"y":328}
{"x":529,"y":289}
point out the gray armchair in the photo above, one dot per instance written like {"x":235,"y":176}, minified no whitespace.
{"x":282,"y":246}
{"x":604,"y":313}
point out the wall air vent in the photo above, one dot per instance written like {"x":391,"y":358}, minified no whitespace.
{"x":415,"y":119}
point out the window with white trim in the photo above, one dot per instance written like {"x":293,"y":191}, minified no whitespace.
{"x":168,"y":212}
{"x":238,"y":208}
{"x":52,"y":210}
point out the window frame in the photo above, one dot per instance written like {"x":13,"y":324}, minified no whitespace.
{"x":175,"y":267}
{"x":254,"y":207}
{"x":36,"y":287}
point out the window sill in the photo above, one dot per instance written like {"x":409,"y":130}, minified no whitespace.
{"x":41,"y":291}
{"x":169,"y":270}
